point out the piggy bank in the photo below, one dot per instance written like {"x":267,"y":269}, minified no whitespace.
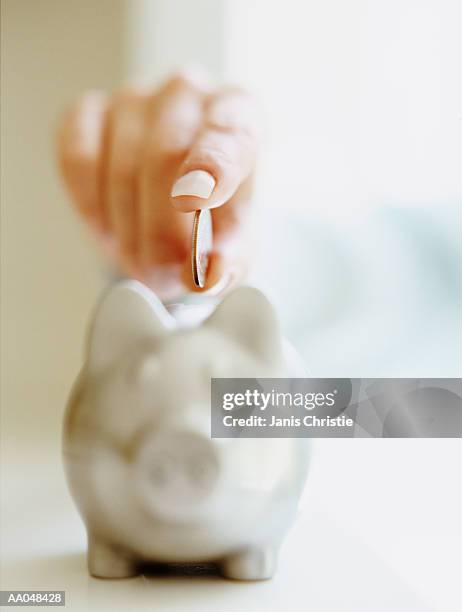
{"x":149,"y":481}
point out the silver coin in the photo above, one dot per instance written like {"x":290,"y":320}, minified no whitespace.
{"x":202,"y":240}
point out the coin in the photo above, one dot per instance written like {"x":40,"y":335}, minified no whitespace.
{"x":202,"y":239}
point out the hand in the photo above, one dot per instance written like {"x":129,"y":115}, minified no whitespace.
{"x":138,"y":163}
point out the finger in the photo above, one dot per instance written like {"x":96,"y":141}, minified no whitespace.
{"x":175,"y":115}
{"x":80,"y":154}
{"x":232,"y":245}
{"x":225,"y":270}
{"x":223,"y":154}
{"x":126,"y":126}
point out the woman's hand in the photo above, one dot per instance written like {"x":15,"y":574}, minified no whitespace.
{"x":138,"y":163}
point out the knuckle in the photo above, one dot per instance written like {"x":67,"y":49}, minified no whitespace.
{"x":164,"y":152}
{"x":93,"y":101}
{"x":244,"y":134}
{"x":128,"y":96}
{"x":92,"y":104}
{"x":214,"y":158}
{"x":93,"y":98}
{"x":179,"y":80}
{"x":78,"y":162}
{"x":171,"y":148}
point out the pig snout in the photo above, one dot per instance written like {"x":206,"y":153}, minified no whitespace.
{"x":177,"y":472}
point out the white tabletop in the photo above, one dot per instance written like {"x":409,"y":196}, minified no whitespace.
{"x":379,"y":531}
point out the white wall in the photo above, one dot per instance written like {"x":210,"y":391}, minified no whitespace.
{"x":363,"y":99}
{"x":163,"y":35}
{"x":51,"y":51}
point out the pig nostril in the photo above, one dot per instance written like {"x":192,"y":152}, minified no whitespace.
{"x":161,"y":471}
{"x":202,"y":469}
{"x":176,"y":471}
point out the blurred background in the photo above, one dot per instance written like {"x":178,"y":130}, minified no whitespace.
{"x":360,"y":189}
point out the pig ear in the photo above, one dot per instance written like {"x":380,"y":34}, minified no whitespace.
{"x":128,"y":314}
{"x":247,"y":316}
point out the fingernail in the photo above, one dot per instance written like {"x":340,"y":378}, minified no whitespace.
{"x":196,"y":183}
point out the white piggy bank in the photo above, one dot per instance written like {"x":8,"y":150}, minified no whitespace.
{"x":149,"y":481}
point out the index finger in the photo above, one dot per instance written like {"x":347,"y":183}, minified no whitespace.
{"x":222,"y":155}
